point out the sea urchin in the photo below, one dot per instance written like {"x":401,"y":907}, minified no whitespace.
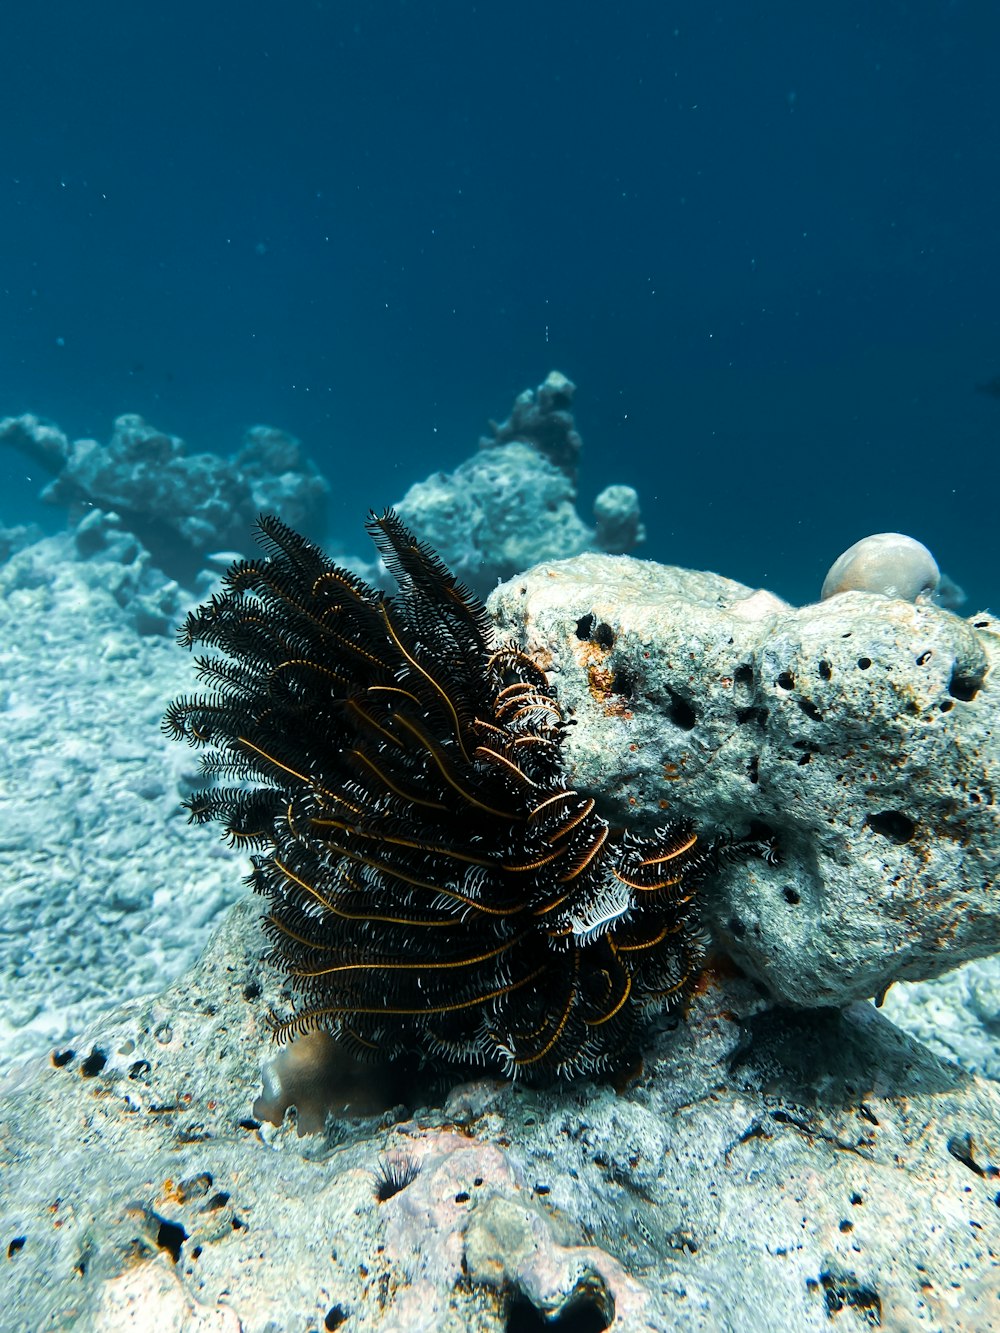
{"x":434,"y":883}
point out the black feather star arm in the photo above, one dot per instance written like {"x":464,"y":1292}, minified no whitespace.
{"x":434,"y":885}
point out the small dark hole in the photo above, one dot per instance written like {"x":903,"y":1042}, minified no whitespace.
{"x":804,"y":758}
{"x":16,"y":1244}
{"x":335,"y":1316}
{"x":580,"y":1316}
{"x":892,"y":824}
{"x":61,"y":1058}
{"x":139,"y":1069}
{"x":756,"y":714}
{"x":94,"y":1063}
{"x":249,"y":1123}
{"x":737,"y":927}
{"x":238,"y":1224}
{"x":946,"y":705}
{"x":810,"y":709}
{"x":786,"y":680}
{"x":825,"y":669}
{"x":462,"y":1197}
{"x":623,"y":683}
{"x":753,"y":769}
{"x":170,"y":1236}
{"x":217,"y":1201}
{"x":845,"y":1292}
{"x":856,"y":1199}
{"x":604,"y":636}
{"x":981,"y":624}
{"x":681,"y":713}
{"x":196,"y":1252}
{"x":585,"y":627}
{"x":791,"y":895}
{"x":251,"y":991}
{"x":864,"y":663}
{"x":845,"y":1225}
{"x":541,"y":1189}
{"x":965,"y":685}
{"x":743,"y":675}
{"x":924,"y":658}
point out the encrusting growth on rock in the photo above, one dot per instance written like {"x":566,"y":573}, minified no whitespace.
{"x":434,"y":884}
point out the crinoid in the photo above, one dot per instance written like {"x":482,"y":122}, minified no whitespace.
{"x":434,"y":884}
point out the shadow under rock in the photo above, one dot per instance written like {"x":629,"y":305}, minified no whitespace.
{"x":828,"y":1056}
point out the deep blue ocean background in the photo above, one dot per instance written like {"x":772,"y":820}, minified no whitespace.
{"x":762,"y":240}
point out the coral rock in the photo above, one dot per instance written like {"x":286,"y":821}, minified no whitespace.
{"x":856,"y":738}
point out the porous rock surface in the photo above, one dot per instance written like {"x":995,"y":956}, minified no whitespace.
{"x":858,"y":738}
{"x":760,"y":1161}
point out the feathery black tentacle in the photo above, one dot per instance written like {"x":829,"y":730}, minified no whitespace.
{"x":433,"y":882}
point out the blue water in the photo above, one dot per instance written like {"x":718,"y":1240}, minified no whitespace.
{"x":762,"y":239}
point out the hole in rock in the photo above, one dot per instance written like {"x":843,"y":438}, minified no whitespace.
{"x":756,"y":714}
{"x":786,"y":680}
{"x":335,"y":1316}
{"x":584,"y":627}
{"x":843,"y":1291}
{"x":864,"y":663}
{"x":825,"y":670}
{"x":681,"y":713}
{"x":892,"y":824}
{"x":623,"y":683}
{"x":965,"y":683}
{"x":94,"y":1063}
{"x":170,"y":1236}
{"x":584,"y":1314}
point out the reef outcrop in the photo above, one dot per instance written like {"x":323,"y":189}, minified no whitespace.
{"x":856,"y":738}
{"x":180,"y":505}
{"x":513,"y":503}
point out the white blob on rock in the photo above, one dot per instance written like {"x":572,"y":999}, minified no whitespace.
{"x":886,"y":563}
